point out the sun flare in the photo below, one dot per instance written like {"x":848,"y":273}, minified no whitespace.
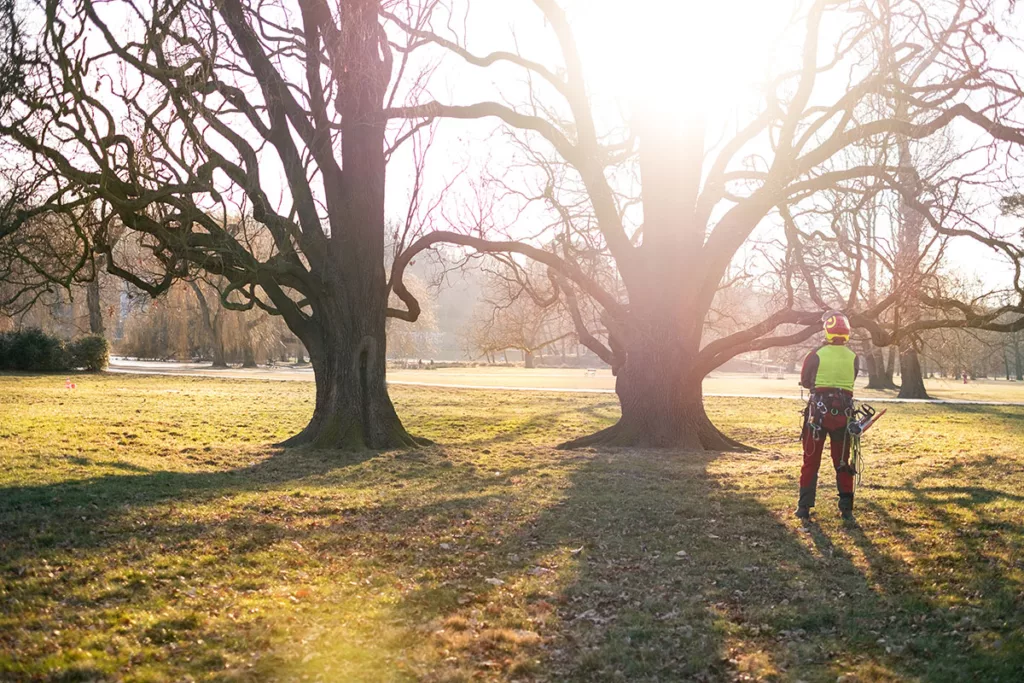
{"x":680,"y":56}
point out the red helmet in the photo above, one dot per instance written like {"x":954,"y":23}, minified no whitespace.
{"x":837,"y":328}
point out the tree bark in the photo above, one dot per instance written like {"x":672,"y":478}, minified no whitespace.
{"x":353,"y":410}
{"x":662,"y":405}
{"x":248,"y":354}
{"x":92,"y":298}
{"x":346,"y":334}
{"x":528,"y":360}
{"x":879,"y":374}
{"x":890,"y":369}
{"x":912,"y":378}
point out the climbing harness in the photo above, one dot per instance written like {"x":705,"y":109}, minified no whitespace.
{"x":859,"y":418}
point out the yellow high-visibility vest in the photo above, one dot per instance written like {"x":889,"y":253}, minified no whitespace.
{"x":835,"y":367}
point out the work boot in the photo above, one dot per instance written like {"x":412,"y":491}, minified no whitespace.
{"x":846,"y":506}
{"x":806,"y":502}
{"x":807,"y":496}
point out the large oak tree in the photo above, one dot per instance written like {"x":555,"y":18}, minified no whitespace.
{"x":866,"y":71}
{"x":163,"y":119}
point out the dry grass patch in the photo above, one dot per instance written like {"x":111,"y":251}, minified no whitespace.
{"x":196,"y":550}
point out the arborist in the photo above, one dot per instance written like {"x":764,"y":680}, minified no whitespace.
{"x":829,"y":373}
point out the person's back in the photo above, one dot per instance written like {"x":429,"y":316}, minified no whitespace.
{"x":830,"y":366}
{"x":829,"y":372}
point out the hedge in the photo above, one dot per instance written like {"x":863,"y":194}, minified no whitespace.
{"x":33,"y":350}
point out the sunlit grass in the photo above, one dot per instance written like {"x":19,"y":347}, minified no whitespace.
{"x":150,"y":531}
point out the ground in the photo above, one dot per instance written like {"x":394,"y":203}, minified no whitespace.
{"x":150,"y":532}
{"x":602,"y":381}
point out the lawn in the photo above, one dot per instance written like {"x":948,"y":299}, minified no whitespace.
{"x":150,"y":532}
{"x":723,"y":383}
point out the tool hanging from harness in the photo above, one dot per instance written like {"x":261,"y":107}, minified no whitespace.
{"x":864,"y":416}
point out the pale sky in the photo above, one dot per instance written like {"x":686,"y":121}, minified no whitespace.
{"x":679,"y":57}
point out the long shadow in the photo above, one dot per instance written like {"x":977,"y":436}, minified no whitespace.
{"x":69,"y":514}
{"x":634,"y":565}
{"x":129,"y":547}
{"x":670,"y":566}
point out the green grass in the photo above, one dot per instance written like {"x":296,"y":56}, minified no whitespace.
{"x":150,"y":532}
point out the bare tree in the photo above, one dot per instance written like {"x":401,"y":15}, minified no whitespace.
{"x":406,"y":340}
{"x":168,"y":118}
{"x":705,"y":201}
{"x":513,"y":315}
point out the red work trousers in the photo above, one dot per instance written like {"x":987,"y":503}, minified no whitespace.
{"x":834,"y":427}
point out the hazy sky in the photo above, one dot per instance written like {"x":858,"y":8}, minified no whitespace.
{"x":679,"y":57}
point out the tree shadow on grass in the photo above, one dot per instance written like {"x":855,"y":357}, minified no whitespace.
{"x":182,"y":566}
{"x":670,"y":566}
{"x":438,"y":565}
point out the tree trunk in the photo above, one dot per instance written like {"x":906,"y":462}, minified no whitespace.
{"x":300,"y":357}
{"x":889,"y":369}
{"x":346,"y":335}
{"x":92,"y":298}
{"x":913,"y":378}
{"x":662,"y":402}
{"x":875,"y":368}
{"x":248,"y":354}
{"x":353,"y":410}
{"x":217,"y":341}
{"x":879,"y":376}
{"x":528,"y":361}
{"x":1017,"y":357}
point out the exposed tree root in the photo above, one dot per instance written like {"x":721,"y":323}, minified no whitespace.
{"x":347,"y":435}
{"x":704,"y":437}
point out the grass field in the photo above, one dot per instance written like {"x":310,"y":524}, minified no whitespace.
{"x":572,"y":378}
{"x":150,"y":532}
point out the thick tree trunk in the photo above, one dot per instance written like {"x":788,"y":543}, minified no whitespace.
{"x":890,"y":369}
{"x":662,"y":403}
{"x":879,"y":376}
{"x":353,"y":410}
{"x":913,"y":378}
{"x":92,"y":298}
{"x":528,"y":360}
{"x":671,"y":285}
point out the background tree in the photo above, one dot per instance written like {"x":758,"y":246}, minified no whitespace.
{"x":407,"y":340}
{"x":513,"y":315}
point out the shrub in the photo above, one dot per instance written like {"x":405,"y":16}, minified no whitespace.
{"x":90,"y":353}
{"x":33,"y":350}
